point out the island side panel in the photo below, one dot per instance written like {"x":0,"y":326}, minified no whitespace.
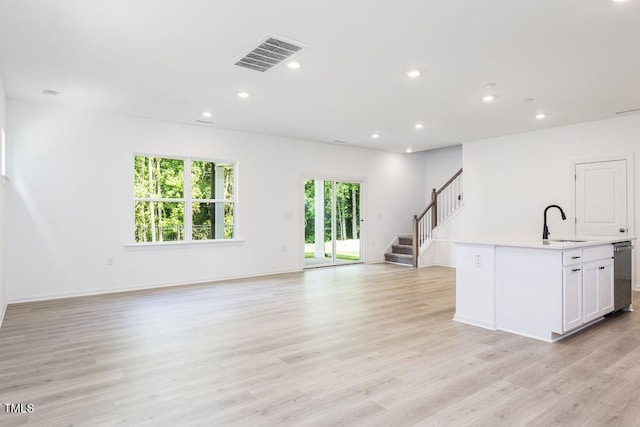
{"x":529,"y":291}
{"x":475,"y":285}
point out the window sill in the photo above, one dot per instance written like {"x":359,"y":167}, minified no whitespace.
{"x":192,"y":243}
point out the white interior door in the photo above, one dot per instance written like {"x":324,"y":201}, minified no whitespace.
{"x":601,"y":198}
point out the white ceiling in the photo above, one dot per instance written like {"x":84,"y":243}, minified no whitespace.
{"x":173,"y":59}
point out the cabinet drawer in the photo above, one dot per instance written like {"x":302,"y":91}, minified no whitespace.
{"x":597,"y":252}
{"x":572,"y":257}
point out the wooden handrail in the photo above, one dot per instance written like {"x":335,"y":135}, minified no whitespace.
{"x":424,"y":212}
{"x":436,"y":193}
{"x":453,"y":178}
{"x":433,"y":206}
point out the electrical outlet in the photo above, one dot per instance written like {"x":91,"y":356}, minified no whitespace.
{"x":109,"y":260}
{"x":284,"y":249}
{"x":478,"y":260}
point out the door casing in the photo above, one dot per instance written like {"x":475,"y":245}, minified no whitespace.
{"x":336,"y":178}
{"x":631,"y":226}
{"x":601,"y":198}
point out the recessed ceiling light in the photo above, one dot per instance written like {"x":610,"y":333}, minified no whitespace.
{"x":413,"y":73}
{"x":375,"y":135}
{"x":489,"y":85}
{"x":243,"y":94}
{"x":409,"y":150}
{"x":488,"y":98}
{"x":541,"y":116}
{"x":293,"y":65}
{"x":528,"y":100}
{"x":207,"y":114}
{"x":50,"y":92}
{"x":418,"y":126}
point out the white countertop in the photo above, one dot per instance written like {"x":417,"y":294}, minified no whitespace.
{"x":585,"y":241}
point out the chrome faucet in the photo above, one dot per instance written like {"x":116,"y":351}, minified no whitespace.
{"x":545,"y":229}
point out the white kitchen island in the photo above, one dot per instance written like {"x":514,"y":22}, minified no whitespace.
{"x":542,"y":290}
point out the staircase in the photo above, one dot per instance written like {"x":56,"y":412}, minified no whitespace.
{"x":444,"y":203}
{"x":401,"y":252}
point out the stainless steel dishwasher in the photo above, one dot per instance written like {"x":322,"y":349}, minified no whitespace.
{"x":622,"y":263}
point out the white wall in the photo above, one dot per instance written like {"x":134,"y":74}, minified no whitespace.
{"x":3,"y":293}
{"x":440,"y":165}
{"x":70,"y":202}
{"x":509,"y":180}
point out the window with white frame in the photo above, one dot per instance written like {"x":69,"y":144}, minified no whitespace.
{"x":183,"y":199}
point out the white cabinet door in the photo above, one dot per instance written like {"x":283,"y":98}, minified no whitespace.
{"x":571,"y":297}
{"x":597,"y":289}
{"x":605,"y":286}
{"x":590,"y":299}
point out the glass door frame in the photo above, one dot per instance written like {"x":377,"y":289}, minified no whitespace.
{"x":334,"y":180}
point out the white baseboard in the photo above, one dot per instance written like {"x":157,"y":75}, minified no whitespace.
{"x":48,"y":297}
{"x":535,"y":337}
{"x":399,"y":263}
{"x":437,"y":265}
{"x":473,"y":322}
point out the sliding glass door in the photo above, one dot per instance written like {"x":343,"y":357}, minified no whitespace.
{"x":332,"y":222}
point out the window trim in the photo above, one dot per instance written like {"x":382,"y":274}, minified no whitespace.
{"x":188,"y":201}
{"x":168,"y":244}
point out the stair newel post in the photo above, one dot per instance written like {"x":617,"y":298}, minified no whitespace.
{"x":434,"y":209}
{"x":415,"y":241}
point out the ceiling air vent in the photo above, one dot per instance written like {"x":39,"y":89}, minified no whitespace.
{"x":270,"y":52}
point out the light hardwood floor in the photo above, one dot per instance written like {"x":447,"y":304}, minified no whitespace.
{"x":357,"y":345}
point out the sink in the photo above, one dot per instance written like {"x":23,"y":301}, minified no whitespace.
{"x":566,"y":240}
